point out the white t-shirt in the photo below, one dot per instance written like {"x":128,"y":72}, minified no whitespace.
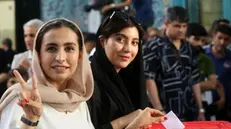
{"x":20,"y":57}
{"x":50,"y":119}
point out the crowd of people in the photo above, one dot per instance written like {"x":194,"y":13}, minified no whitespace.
{"x":127,"y":75}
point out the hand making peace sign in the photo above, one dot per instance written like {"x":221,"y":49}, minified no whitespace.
{"x":29,"y":98}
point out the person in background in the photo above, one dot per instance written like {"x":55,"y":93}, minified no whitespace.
{"x":170,"y":70}
{"x":13,"y":80}
{"x":144,"y":12}
{"x":107,"y":7}
{"x":3,"y":71}
{"x":61,"y":83}
{"x":196,"y":35}
{"x":217,"y":22}
{"x":152,"y":32}
{"x":221,"y":57}
{"x":24,"y":59}
{"x":117,"y":68}
{"x":89,"y":41}
{"x":7,"y":46}
{"x":6,"y":56}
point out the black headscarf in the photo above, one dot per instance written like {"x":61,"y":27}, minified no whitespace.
{"x":129,"y":81}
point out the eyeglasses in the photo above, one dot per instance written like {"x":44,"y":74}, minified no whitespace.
{"x":122,"y":16}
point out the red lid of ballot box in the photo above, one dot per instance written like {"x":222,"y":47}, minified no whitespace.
{"x":200,"y":125}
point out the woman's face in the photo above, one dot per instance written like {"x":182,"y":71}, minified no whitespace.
{"x":59,"y":54}
{"x":121,"y":48}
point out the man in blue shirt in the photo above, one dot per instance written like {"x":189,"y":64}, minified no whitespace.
{"x":221,"y":57}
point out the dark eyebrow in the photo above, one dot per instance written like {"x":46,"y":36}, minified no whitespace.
{"x":51,"y":44}
{"x":124,"y":36}
{"x":65,"y":44}
{"x":70,"y":43}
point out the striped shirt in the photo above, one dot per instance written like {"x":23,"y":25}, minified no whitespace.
{"x":174,"y":71}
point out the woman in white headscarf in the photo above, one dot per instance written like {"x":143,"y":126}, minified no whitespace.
{"x":62,"y":82}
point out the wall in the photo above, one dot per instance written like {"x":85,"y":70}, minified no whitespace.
{"x":7,"y":22}
{"x":210,"y":11}
{"x":70,"y":9}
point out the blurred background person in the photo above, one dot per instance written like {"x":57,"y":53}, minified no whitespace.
{"x":196,"y":35}
{"x":216,"y":23}
{"x":221,"y":58}
{"x":24,"y":59}
{"x":6,"y":58}
{"x":13,"y":80}
{"x":89,"y":42}
{"x":107,"y":7}
{"x":152,"y":32}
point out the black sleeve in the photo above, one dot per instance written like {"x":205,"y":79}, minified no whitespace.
{"x":96,"y":110}
{"x":151,"y":59}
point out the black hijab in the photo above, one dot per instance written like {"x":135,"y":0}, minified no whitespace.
{"x":127,"y":86}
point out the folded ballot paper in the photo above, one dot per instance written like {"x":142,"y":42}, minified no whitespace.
{"x":172,"y":122}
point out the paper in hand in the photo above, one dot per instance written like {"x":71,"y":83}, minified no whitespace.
{"x":172,"y":122}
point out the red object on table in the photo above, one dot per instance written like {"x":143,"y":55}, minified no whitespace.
{"x":200,"y":125}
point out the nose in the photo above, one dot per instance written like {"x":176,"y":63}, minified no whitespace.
{"x":127,"y":47}
{"x":61,"y":56}
{"x":201,"y":43}
{"x":222,"y":41}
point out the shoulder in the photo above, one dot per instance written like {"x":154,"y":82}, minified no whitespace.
{"x":21,"y":55}
{"x":10,"y":116}
{"x":207,"y":48}
{"x":156,"y":41}
{"x":205,"y":58}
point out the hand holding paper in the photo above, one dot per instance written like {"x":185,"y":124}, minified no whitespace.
{"x":173,"y":122}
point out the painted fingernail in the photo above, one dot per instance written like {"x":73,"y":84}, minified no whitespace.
{"x":165,"y":118}
{"x":20,"y":104}
{"x":26,"y":100}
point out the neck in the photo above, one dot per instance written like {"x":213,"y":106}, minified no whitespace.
{"x":117,"y":70}
{"x":216,"y":53}
{"x":60,"y":86}
{"x":175,"y":41}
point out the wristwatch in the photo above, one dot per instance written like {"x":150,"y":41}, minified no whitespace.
{"x":202,"y":110}
{"x":28,"y":122}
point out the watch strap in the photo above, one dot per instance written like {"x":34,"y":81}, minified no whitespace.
{"x":28,"y":122}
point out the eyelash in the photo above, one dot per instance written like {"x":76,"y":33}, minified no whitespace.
{"x":54,"y":49}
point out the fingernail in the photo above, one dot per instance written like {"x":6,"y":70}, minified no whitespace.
{"x":165,"y":118}
{"x":20,"y":104}
{"x":26,"y":100}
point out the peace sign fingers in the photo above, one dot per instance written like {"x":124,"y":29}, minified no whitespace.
{"x":34,"y":81}
{"x":20,"y":79}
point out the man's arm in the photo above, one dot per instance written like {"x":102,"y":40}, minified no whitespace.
{"x":210,"y":84}
{"x":197,"y":93}
{"x":153,"y":94}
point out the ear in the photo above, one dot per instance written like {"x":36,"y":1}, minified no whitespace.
{"x":80,"y":54}
{"x":166,"y":22}
{"x":102,"y":40}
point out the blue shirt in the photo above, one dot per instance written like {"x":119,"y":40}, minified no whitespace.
{"x":223,"y":72}
{"x":144,"y":12}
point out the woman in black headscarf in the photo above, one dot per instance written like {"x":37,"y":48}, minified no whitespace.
{"x":117,"y":68}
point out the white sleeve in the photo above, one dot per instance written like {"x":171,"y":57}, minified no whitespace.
{"x":11,"y":115}
{"x":15,"y":62}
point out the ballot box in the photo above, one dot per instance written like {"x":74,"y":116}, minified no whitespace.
{"x":199,"y":125}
